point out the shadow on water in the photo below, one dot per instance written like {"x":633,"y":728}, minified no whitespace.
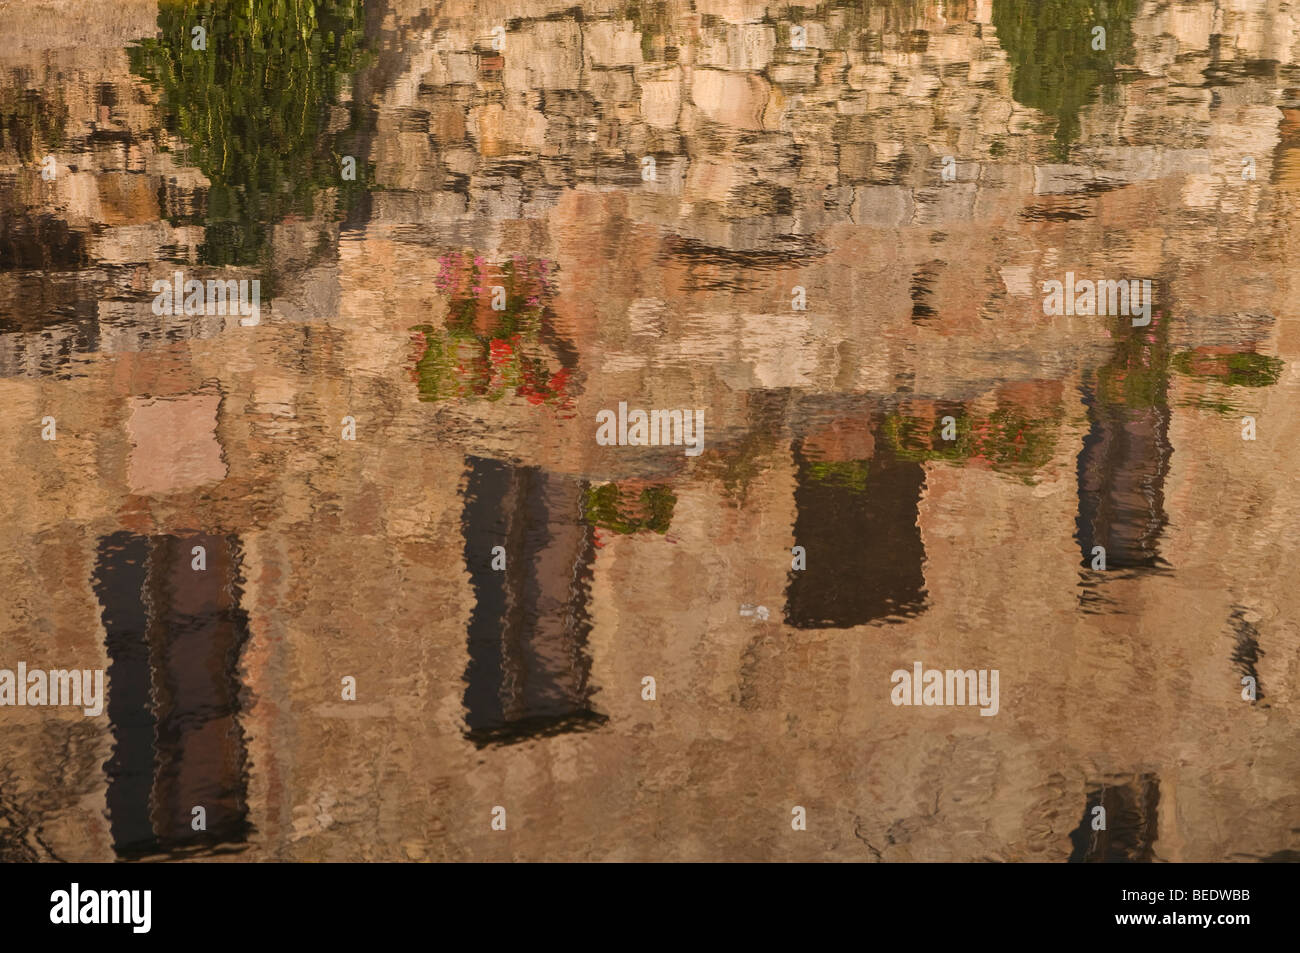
{"x":20,"y":838}
{"x":1131,"y":822}
{"x":1246,"y":651}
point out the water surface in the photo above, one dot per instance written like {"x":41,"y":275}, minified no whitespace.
{"x":827,"y":227}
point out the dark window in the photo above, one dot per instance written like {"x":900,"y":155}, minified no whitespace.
{"x":528,"y":671}
{"x":858,"y":522}
{"x":174,"y":637}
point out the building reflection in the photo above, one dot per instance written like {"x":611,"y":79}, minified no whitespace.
{"x":529,"y":665}
{"x":174,"y":636}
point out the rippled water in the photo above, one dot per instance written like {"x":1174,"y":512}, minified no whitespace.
{"x":828,"y":228}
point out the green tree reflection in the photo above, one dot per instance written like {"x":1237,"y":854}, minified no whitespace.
{"x":620,"y":511}
{"x":1054,"y":66}
{"x":253,"y":108}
